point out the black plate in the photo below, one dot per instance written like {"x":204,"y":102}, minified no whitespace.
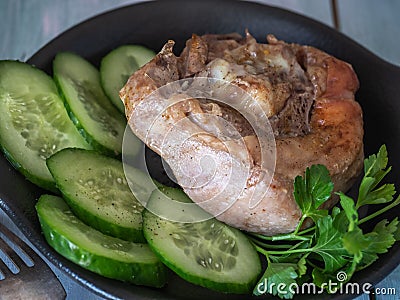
{"x":152,"y":24}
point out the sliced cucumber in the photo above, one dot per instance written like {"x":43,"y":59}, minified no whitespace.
{"x":95,"y":188}
{"x":34,"y":123}
{"x":207,"y":253}
{"x":89,"y":108}
{"x":89,"y":248}
{"x":118,"y":65}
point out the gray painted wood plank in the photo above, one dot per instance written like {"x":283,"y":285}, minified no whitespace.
{"x":319,"y":10}
{"x":31,"y":24}
{"x":374,"y":24}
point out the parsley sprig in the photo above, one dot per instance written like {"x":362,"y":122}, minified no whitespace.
{"x":336,"y":243}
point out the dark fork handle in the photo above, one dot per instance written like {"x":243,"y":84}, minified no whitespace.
{"x":32,"y":278}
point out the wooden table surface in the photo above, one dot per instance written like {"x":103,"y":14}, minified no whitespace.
{"x":27,"y":25}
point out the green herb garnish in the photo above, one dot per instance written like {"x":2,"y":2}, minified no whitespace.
{"x":336,"y":243}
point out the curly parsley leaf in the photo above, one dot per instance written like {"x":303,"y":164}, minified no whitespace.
{"x":336,"y":242}
{"x":375,"y":168}
{"x":340,"y":219}
{"x":355,"y":242}
{"x":302,"y":265}
{"x":320,"y":278}
{"x":396,"y":234}
{"x":380,"y":240}
{"x":329,"y":245}
{"x":350,"y":210}
{"x":382,"y":194}
{"x":278,"y":280}
{"x":320,"y":183}
{"x":375,"y":164}
{"x":312,"y":190}
{"x":352,"y":242}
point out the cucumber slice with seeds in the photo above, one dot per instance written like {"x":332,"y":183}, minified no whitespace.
{"x":89,"y":248}
{"x":95,"y":188}
{"x":118,"y":65}
{"x":89,"y":108}
{"x":34,"y":123}
{"x":207,"y":253}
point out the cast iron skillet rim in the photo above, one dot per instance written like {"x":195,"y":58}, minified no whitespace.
{"x":311,"y":22}
{"x":19,"y":220}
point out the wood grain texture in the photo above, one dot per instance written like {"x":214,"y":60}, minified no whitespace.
{"x":315,"y":9}
{"x":27,"y":25}
{"x":374,"y":24}
{"x":31,"y":24}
